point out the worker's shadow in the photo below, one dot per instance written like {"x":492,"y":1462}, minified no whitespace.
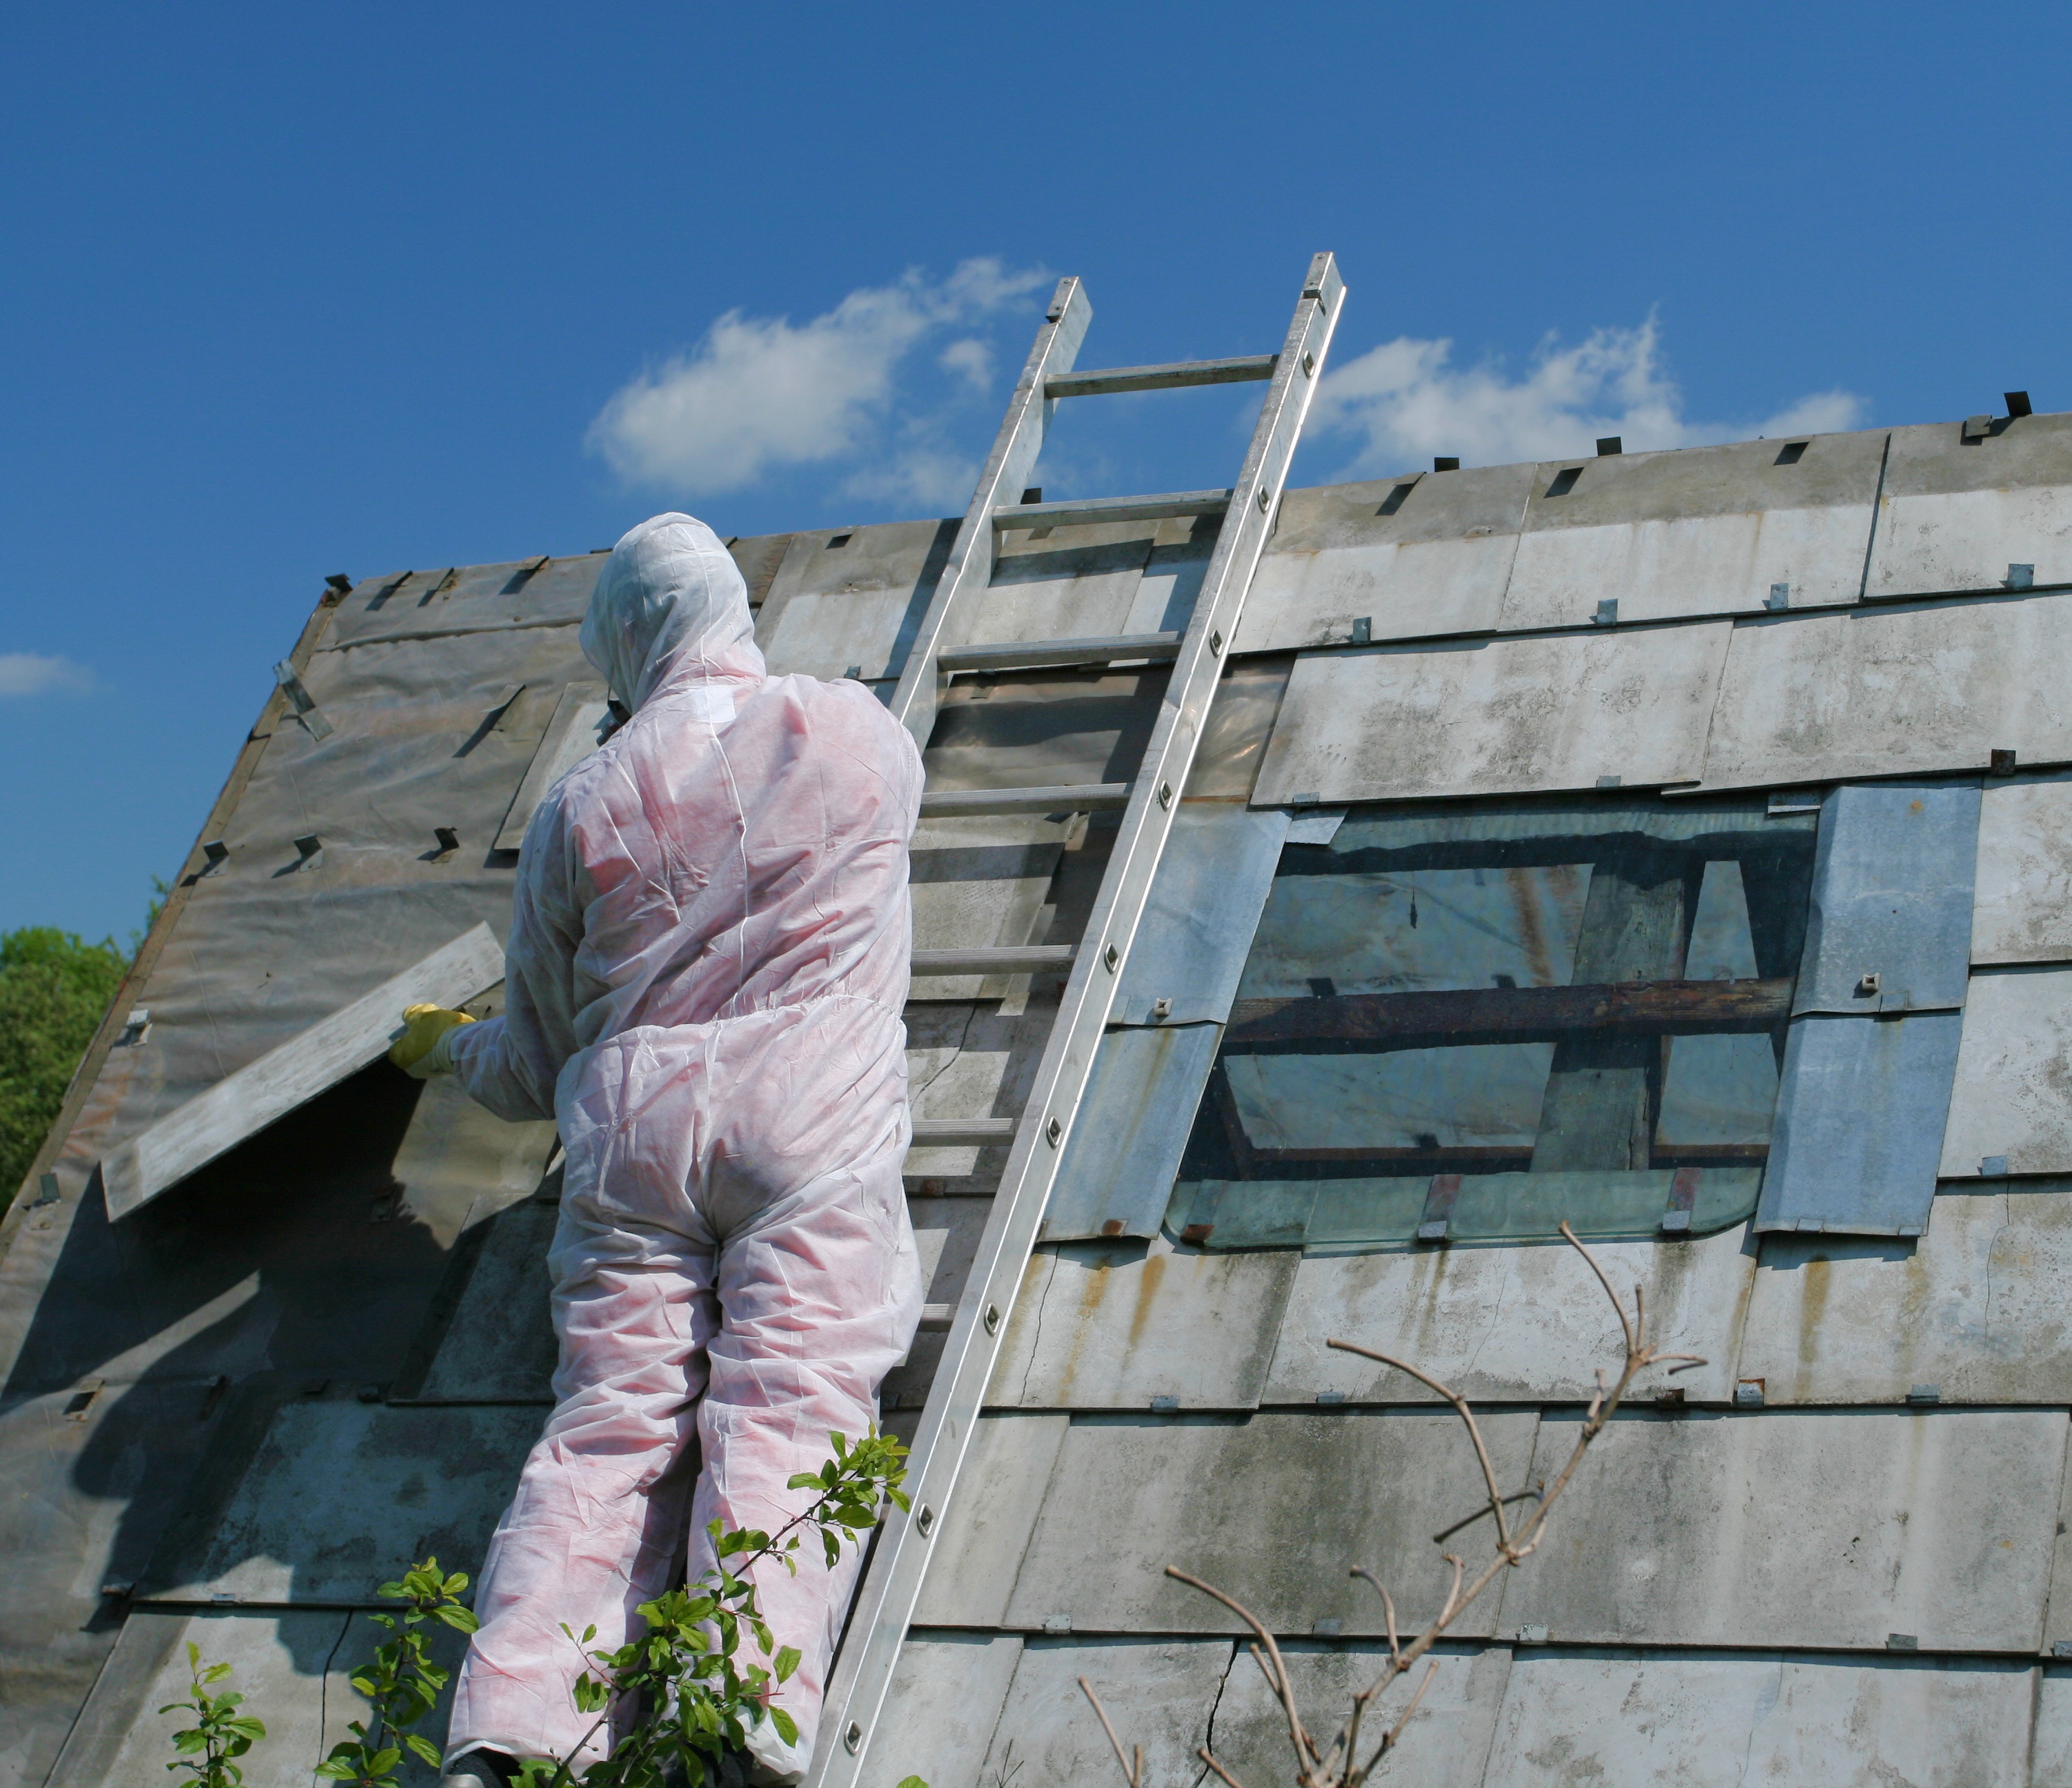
{"x":294,"y":1267}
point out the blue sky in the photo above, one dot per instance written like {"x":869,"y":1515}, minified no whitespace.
{"x":290,"y":290}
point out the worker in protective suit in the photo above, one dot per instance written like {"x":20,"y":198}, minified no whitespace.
{"x":708,"y":958}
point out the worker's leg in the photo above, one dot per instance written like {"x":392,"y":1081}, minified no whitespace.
{"x":596,"y":1527}
{"x":820,"y":1291}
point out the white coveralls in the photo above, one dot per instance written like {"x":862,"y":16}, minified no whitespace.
{"x":708,"y":962}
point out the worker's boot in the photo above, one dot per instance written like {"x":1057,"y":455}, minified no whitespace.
{"x":480,"y":1768}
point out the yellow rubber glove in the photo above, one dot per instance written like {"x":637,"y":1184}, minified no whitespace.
{"x":423,"y":1026}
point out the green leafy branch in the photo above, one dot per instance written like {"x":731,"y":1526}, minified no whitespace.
{"x":698,"y":1691}
{"x":219,"y":1731}
{"x":402,"y":1682}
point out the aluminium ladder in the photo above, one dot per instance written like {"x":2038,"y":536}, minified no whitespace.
{"x":892,"y":1583}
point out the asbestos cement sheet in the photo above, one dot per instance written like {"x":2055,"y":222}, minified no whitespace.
{"x":1204,"y":905}
{"x":580,"y":711}
{"x":1954,"y":515}
{"x":1072,"y":583}
{"x":1626,"y":1719}
{"x":1159,"y":1693}
{"x":980,"y":881}
{"x":1413,"y":557}
{"x":1888,"y":924}
{"x":1698,"y":530}
{"x":1113,"y":1325}
{"x":1000,"y":1492}
{"x":1523,"y":1324}
{"x":2050,"y":1746}
{"x":1918,"y":689}
{"x":255,"y":1095}
{"x":341,"y":1495}
{"x":294,"y":1669}
{"x":847,"y":603}
{"x":1815,"y":1531}
{"x":1133,"y":1126}
{"x":476,"y":599}
{"x":943,"y":1703}
{"x":2011,"y":1108}
{"x":1445,"y":1745}
{"x":1974,"y":1311}
{"x":2023,"y":903}
{"x":1271,"y":1508}
{"x":494,"y":1333}
{"x":1498,"y":717}
{"x":1861,"y":1109}
{"x":972,"y":1060}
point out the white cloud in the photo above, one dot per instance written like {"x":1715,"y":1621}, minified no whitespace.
{"x":28,"y":673}
{"x":762,"y":392}
{"x":1406,"y":401}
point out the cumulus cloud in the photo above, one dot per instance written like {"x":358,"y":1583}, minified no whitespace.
{"x":28,"y":673}
{"x":760,"y":393}
{"x":1405,"y":401}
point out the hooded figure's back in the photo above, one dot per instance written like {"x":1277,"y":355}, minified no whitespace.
{"x":739,"y":844}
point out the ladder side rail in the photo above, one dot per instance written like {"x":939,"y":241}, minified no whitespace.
{"x":968,"y":571}
{"x":891,"y":1588}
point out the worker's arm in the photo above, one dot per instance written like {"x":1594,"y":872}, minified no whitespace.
{"x":510,"y":1064}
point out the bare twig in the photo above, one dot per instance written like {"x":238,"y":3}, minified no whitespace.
{"x":1339,"y":1766}
{"x":1134,"y":1778}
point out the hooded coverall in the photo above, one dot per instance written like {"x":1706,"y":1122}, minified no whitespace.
{"x":707,"y":961}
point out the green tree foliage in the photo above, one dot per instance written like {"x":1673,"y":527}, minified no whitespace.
{"x":54,"y":987}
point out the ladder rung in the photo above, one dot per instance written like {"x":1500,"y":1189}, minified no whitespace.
{"x":950,"y":804}
{"x":995,"y":961}
{"x":936,"y":1318}
{"x":1142,"y":508}
{"x":1023,"y":654}
{"x":952,"y":1132}
{"x":1168,"y":377}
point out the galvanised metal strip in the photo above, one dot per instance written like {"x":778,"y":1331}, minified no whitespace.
{"x":886,"y":1603}
{"x":970,"y":570}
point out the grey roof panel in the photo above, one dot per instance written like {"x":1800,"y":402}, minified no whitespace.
{"x":2011,"y":1106}
{"x":1523,"y":1324}
{"x":1159,"y":1695}
{"x":1697,"y":531}
{"x":1517,"y":716}
{"x":1954,"y":515}
{"x":1636,"y":1720}
{"x":1914,"y":690}
{"x":943,"y":1703}
{"x":1003,"y":1484}
{"x":2023,"y":911}
{"x":340,"y":1493}
{"x":1111,"y":1326}
{"x":1889,"y":922}
{"x":1861,"y":1104}
{"x":980,"y":881}
{"x":1784,"y":1528}
{"x":830,"y":607}
{"x":1343,"y":1487}
{"x":1414,"y":557}
{"x":1974,"y":1308}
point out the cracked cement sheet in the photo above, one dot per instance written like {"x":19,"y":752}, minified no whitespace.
{"x":2023,"y":901}
{"x":1623,"y":1719}
{"x":1814,"y":1530}
{"x":1445,"y":1745}
{"x":1697,"y":531}
{"x":943,"y":1703}
{"x":1113,"y":1324}
{"x":999,"y":1493}
{"x":1529,"y":1324}
{"x":292,"y":1668}
{"x":1516,"y":716}
{"x":2011,"y":1107}
{"x":338,"y":1495}
{"x":972,"y":1060}
{"x":1955,"y":515}
{"x":1975,"y":1309}
{"x":979,"y":883}
{"x":1905,"y":690}
{"x":1158,"y":1693}
{"x":1340,"y":1487}
{"x":1414,"y":557}
{"x":848,"y":602}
